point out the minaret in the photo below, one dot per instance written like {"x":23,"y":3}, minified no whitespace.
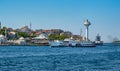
{"x":81,"y":35}
{"x":6,"y":33}
{"x":87,"y":24}
{"x":80,"y":32}
{"x":30,"y":27}
{"x":0,"y":25}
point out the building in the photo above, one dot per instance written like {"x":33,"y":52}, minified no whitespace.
{"x":12,"y":35}
{"x":9,"y":29}
{"x":56,"y":31}
{"x":20,"y":41}
{"x":25,"y":29}
{"x":66,"y":33}
{"x":41,"y":36}
{"x":76,"y":37}
{"x":2,"y":39}
{"x":42,"y":39}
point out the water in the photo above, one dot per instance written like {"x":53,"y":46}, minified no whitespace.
{"x":44,"y":58}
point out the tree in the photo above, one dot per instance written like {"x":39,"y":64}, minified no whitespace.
{"x":57,"y":37}
{"x":22,"y":34}
{"x":2,"y":31}
{"x":52,"y":36}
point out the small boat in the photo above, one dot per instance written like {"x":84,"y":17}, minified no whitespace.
{"x":116,"y":43}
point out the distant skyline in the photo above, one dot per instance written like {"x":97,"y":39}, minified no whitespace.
{"x":68,"y":15}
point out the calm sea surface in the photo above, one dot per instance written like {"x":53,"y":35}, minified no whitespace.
{"x":44,"y":58}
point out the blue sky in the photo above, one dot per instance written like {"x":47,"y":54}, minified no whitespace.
{"x":68,"y":15}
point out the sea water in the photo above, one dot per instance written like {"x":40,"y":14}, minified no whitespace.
{"x":44,"y":58}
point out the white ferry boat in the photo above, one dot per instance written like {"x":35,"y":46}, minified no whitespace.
{"x":57,"y":43}
{"x":70,"y":42}
{"x":87,"y":44}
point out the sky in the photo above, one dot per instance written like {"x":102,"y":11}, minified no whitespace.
{"x":68,"y":15}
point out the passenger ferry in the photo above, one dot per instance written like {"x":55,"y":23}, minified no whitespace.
{"x":57,"y":43}
{"x":87,"y":44}
{"x":71,"y":43}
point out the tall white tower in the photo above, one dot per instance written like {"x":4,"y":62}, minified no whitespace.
{"x":87,"y":24}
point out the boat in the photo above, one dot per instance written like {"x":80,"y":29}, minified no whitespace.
{"x":87,"y":44}
{"x":57,"y":43}
{"x":70,"y":42}
{"x":98,"y":42}
{"x":116,"y":43}
{"x":75,"y":43}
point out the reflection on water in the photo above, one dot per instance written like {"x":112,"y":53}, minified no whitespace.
{"x":36,"y":58}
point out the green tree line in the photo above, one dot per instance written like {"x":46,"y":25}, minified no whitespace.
{"x":57,"y":37}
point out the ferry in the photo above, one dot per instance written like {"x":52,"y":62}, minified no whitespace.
{"x":57,"y":43}
{"x":98,"y":42}
{"x":116,"y":43}
{"x":71,"y":43}
{"x":75,"y":43}
{"x":87,"y":44}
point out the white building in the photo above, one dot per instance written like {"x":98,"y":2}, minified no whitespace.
{"x":2,"y":39}
{"x":41,"y":36}
{"x":21,"y":41}
{"x":41,"y":39}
